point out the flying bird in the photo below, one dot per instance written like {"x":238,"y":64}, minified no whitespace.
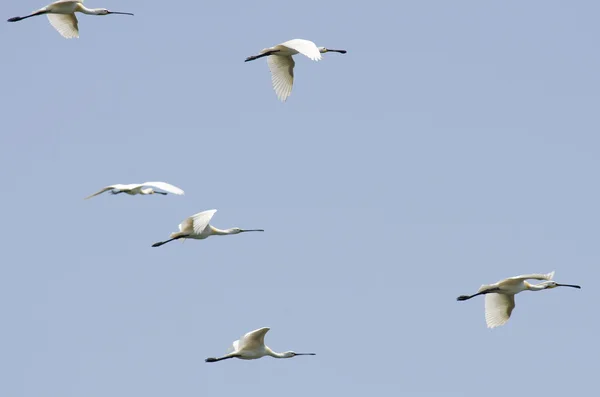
{"x":139,"y":188}
{"x":252,"y":346}
{"x":197,"y":227}
{"x":61,"y":15}
{"x":500,"y":296}
{"x":281,"y":63}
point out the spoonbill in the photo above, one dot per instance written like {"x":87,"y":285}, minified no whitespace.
{"x":252,"y":346}
{"x":281,"y":63}
{"x":61,"y":15}
{"x":138,"y":188}
{"x":197,"y":227}
{"x":500,"y":296}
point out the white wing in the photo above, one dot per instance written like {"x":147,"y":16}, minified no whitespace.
{"x":534,"y":276}
{"x":304,"y":47}
{"x":254,"y":339}
{"x":111,"y":187}
{"x":201,"y":220}
{"x":66,"y":24}
{"x":164,"y":186}
{"x":498,"y":308}
{"x":234,"y":347}
{"x":282,"y":75}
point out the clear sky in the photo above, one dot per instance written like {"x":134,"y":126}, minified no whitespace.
{"x":455,"y":144}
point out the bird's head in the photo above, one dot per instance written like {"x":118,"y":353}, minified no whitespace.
{"x":554,"y":284}
{"x":104,"y":11}
{"x":237,"y":230}
{"x":323,"y":50}
{"x":291,"y":354}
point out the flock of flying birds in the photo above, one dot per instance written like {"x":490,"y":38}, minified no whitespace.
{"x":499,"y":296}
{"x":61,"y":15}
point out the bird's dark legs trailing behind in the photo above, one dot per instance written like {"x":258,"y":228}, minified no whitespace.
{"x":163,"y":193}
{"x":17,"y":19}
{"x":168,"y":241}
{"x":252,"y":58}
{"x":116,"y":191}
{"x":214,"y":359}
{"x":467,"y":297}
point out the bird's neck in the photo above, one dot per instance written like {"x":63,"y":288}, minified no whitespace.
{"x":89,"y":11}
{"x":535,"y":287}
{"x":220,"y":232}
{"x":274,"y":354}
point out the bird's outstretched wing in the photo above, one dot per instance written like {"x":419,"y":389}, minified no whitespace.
{"x":66,"y":24}
{"x":534,"y":276}
{"x":282,"y":75}
{"x":304,"y":47}
{"x":235,"y":346}
{"x":111,"y":187}
{"x":201,"y":220}
{"x":253,"y":339}
{"x":167,"y":187}
{"x":498,"y":308}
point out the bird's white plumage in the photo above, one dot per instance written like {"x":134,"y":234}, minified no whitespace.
{"x":136,"y":188}
{"x":200,"y":221}
{"x":517,"y":281}
{"x":281,"y":64}
{"x":167,"y":187}
{"x":252,"y":340}
{"x":282,"y":75}
{"x":304,"y":47}
{"x":65,"y":24}
{"x":498,"y":308}
{"x":500,"y":296}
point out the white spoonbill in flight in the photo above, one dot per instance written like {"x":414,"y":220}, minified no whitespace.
{"x":61,"y":15}
{"x":197,"y":227}
{"x":282,"y":64}
{"x":138,"y":188}
{"x":252,"y":346}
{"x":500,"y":296}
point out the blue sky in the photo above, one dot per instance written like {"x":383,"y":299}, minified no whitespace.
{"x":455,"y":144}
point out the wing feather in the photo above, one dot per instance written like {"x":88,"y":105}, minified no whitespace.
{"x":282,"y":75}
{"x":66,"y":24}
{"x":304,"y":47}
{"x":535,"y":276}
{"x":254,"y":339}
{"x":111,"y":187}
{"x":498,"y":308}
{"x":200,"y":220}
{"x":167,"y":187}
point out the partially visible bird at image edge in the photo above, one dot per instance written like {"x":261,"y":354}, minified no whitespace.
{"x":61,"y":15}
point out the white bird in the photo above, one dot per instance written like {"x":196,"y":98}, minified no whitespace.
{"x":138,"y":188}
{"x":197,"y":227}
{"x":282,"y":64}
{"x":61,"y":15}
{"x":500,"y":296}
{"x":252,"y":346}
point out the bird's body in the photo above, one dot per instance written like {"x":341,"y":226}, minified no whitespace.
{"x":198,"y":227}
{"x":282,"y":64}
{"x":500,"y":296}
{"x":140,"y":188}
{"x":252,"y":346}
{"x":61,"y":15}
